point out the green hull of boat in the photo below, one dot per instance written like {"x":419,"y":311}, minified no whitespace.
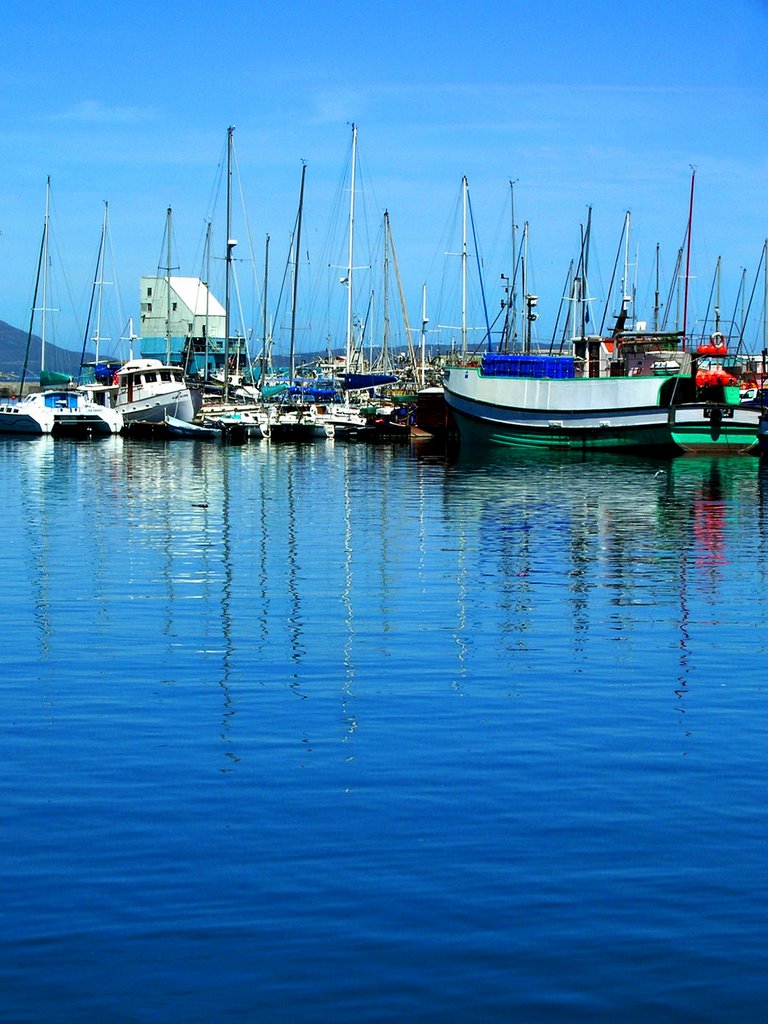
{"x":477,"y":433}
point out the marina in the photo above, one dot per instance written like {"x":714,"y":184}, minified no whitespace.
{"x":384,"y":466}
{"x":375,"y":728}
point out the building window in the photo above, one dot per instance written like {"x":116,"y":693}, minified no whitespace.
{"x":175,"y":306}
{"x":149,"y":293}
{"x":149,"y":307}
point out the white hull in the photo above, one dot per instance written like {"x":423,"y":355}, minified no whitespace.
{"x":87,"y":418}
{"x":29,"y":416}
{"x":155,"y":408}
{"x":253,"y":422}
{"x":600,"y":411}
{"x":148,"y":391}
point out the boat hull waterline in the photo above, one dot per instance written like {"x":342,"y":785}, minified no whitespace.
{"x":611,"y":413}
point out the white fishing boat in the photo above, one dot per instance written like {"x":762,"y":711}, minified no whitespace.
{"x":556,"y":402}
{"x":149,"y":390}
{"x":635,"y":389}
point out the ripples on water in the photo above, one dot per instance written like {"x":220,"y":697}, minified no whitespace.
{"x":334,"y":733}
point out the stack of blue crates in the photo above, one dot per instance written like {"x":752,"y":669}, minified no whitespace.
{"x":553,"y":367}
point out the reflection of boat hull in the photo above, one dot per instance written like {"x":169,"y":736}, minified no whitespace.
{"x":715,"y":428}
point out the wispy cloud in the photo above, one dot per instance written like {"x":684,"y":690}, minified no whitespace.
{"x":94,"y":112}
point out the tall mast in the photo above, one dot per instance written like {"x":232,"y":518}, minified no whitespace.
{"x":263,"y":372}
{"x":350,"y":266}
{"x":514,"y":266}
{"x":626,"y":295}
{"x":168,"y":290}
{"x":765,"y":300}
{"x":385,"y":332}
{"x":524,"y":284}
{"x":743,"y":300}
{"x":424,"y":322}
{"x":465,"y":188}
{"x":100,"y":283}
{"x":207,"y":297}
{"x":717,"y":296}
{"x":33,"y":310}
{"x":688,"y":258}
{"x":585,"y":282}
{"x":96,"y":294}
{"x":45,"y":270}
{"x":297,"y":250}
{"x":656,"y":293}
{"x":678,"y":286}
{"x":231,"y":243}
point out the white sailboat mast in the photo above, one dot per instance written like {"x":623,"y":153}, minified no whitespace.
{"x":465,"y":188}
{"x":207,"y":298}
{"x":625,"y":286}
{"x":656,"y":293}
{"x":514,"y":266}
{"x":45,"y":270}
{"x":228,"y":265}
{"x":350,"y":265}
{"x":100,"y":283}
{"x":424,"y":322}
{"x":262,"y":374}
{"x":524,"y":270}
{"x":168,"y":291}
{"x":385,"y":330}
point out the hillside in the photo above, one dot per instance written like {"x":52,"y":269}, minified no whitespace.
{"x":13,"y":344}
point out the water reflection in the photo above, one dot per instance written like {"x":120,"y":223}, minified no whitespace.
{"x":340,"y":570}
{"x":35,"y":464}
{"x":610,"y":550}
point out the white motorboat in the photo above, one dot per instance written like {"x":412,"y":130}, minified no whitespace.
{"x":148,"y":390}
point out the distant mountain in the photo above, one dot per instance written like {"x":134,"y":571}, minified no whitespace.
{"x":13,"y":345}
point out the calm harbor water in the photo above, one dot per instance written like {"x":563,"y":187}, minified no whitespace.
{"x":335,"y":733}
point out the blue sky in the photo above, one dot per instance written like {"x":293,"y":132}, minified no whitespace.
{"x":599,"y":104}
